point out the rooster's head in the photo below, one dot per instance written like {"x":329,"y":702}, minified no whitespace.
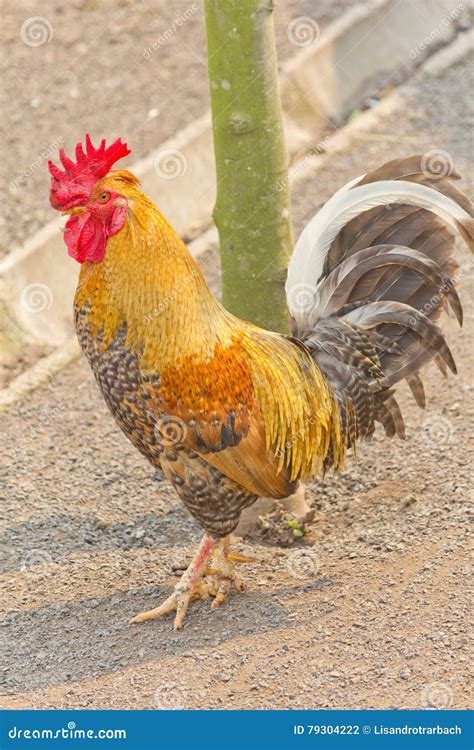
{"x":97,"y":210}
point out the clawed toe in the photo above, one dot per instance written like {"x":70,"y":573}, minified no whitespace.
{"x":154,"y":614}
{"x":199,"y":582}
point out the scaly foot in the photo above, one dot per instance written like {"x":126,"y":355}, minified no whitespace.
{"x":219,"y":576}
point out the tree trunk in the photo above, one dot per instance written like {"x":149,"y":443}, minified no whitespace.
{"x":252,"y":211}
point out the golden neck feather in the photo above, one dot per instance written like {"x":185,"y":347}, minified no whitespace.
{"x":149,"y":280}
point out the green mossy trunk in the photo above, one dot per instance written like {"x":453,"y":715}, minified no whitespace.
{"x":252,"y":211}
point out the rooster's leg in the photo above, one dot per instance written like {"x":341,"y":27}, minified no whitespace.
{"x":220,"y":573}
{"x":219,"y":576}
{"x":188,"y":587}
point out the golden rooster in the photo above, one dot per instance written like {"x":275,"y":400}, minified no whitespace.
{"x":230,"y":411}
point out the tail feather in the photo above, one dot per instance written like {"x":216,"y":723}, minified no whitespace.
{"x":377,"y":314}
{"x":375,"y":269}
{"x":364,"y":276}
{"x":417,"y":388}
{"x":307,"y":264}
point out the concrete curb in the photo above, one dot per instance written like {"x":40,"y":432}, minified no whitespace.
{"x":45,"y":369}
{"x":448,"y":56}
{"x":368,"y":45}
{"x":308,"y":166}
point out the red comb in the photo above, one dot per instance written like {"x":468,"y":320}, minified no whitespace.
{"x":73,"y":186}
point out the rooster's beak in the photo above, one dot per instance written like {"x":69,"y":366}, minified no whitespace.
{"x":71,"y":211}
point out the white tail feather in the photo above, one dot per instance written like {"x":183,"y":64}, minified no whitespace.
{"x":307,"y":262}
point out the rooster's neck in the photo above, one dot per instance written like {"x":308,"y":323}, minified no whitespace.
{"x":150,"y":283}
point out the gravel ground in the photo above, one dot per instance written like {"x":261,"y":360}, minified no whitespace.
{"x":90,"y":74}
{"x":371,"y":613}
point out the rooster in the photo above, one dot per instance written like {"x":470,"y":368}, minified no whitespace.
{"x":230,"y":411}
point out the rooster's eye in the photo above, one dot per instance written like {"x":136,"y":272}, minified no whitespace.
{"x":104,"y":197}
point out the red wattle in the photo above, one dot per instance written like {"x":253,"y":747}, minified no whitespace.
{"x":85,"y":237}
{"x":86,"y":234}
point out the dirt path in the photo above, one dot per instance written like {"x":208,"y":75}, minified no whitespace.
{"x":372,"y":614}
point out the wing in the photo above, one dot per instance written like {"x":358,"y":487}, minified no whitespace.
{"x":211,"y":406}
{"x":213,"y":398}
{"x":258,"y":410}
